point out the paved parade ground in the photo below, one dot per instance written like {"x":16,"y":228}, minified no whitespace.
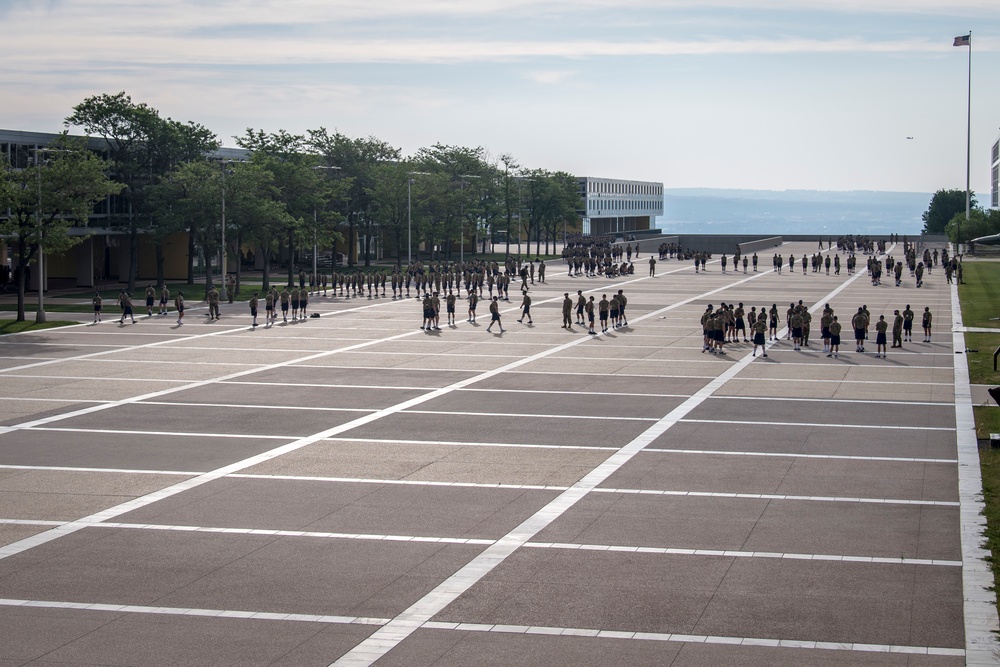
{"x":350,"y":488}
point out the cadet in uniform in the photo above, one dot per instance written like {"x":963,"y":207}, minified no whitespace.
{"x":495,"y":315}
{"x":253,"y":308}
{"x":759,"y":332}
{"x":880,"y":338}
{"x":834,"y":337}
{"x":897,"y":329}
{"x":525,"y":308}
{"x":164,"y":298}
{"x":567,"y":311}
{"x":927,"y":317}
{"x":98,"y":301}
{"x":179,"y":305}
{"x":602,"y":310}
{"x":150,"y":297}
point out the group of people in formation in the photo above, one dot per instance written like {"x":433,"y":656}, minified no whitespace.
{"x":609,"y":312}
{"x":603,"y":259}
{"x":728,"y":322}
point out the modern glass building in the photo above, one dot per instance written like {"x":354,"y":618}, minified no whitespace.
{"x":995,"y":175}
{"x":613,"y":206}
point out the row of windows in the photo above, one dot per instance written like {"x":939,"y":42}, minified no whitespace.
{"x":996,"y":187}
{"x":996,"y":152}
{"x":624,"y":205}
{"x":599,"y":187}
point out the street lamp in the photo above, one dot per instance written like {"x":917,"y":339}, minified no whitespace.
{"x":520,"y":221}
{"x":409,"y":213}
{"x":224,"y":257}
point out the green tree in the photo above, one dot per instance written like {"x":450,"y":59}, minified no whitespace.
{"x":389,"y":205}
{"x":360,"y":163}
{"x":190,"y":199}
{"x":981,"y":223}
{"x":48,"y":198}
{"x":553,"y":203}
{"x":142,"y":147}
{"x":304,"y":188}
{"x":945,"y":204}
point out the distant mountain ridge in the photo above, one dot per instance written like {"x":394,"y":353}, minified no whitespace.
{"x":736,"y":211}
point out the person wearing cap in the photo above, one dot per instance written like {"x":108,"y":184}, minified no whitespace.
{"x":567,"y":311}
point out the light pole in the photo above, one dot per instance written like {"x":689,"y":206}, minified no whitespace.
{"x":520,"y":221}
{"x":224,"y":257}
{"x":409,"y":213}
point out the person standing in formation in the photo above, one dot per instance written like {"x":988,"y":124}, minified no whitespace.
{"x":897,"y":329}
{"x":926,"y":321}
{"x":473,"y":301}
{"x":759,"y":332}
{"x":880,"y":336}
{"x":835,"y":329}
{"x":285,"y":298}
{"x":449,"y":301}
{"x":652,"y":266}
{"x":567,"y":311}
{"x":907,"y":324}
{"x":581,"y":303}
{"x":589,"y":307}
{"x":602,"y":311}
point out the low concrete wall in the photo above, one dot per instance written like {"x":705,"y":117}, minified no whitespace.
{"x":763,"y":244}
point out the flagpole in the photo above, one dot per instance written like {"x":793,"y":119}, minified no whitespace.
{"x":968,"y":150}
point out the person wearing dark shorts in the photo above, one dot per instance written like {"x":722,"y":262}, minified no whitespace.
{"x":150,"y":298}
{"x":880,"y":338}
{"x":759,"y":336}
{"x":495,"y":316}
{"x":179,"y":305}
{"x":254,"y":301}
{"x":98,"y":301}
{"x":834,"y":338}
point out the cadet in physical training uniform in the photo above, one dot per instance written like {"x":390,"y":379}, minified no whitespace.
{"x":525,"y":308}
{"x":495,"y":316}
{"x":179,"y":305}
{"x":834,"y":338}
{"x":254,"y":300}
{"x":98,"y":304}
{"x":880,"y":338}
{"x":164,"y":299}
{"x":926,"y":321}
{"x":150,"y":297}
{"x":897,"y":329}
{"x":759,"y":333}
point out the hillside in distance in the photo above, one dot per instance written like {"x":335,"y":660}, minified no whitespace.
{"x":721,"y":211}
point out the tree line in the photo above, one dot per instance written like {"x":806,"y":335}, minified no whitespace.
{"x":318,"y":189}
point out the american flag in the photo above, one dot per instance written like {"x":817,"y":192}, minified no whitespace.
{"x":963,"y":40}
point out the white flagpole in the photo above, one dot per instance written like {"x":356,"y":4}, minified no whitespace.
{"x":968,"y":149}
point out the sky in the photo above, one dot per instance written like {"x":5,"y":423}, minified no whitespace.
{"x":759,"y":94}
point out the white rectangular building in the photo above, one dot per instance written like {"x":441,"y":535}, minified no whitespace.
{"x":612,"y":206}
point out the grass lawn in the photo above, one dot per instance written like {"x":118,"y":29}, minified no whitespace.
{"x":980,"y":300}
{"x":10,"y":326}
